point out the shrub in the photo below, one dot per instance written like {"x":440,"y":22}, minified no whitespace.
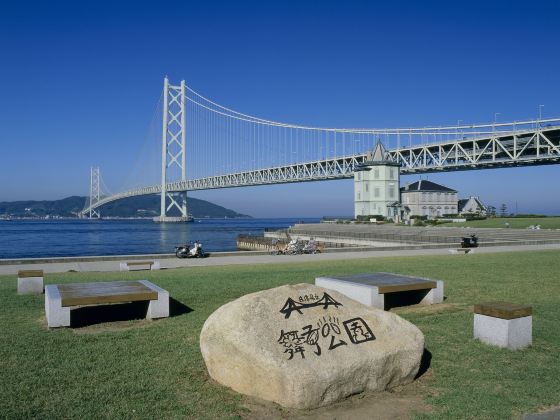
{"x":365,"y":218}
{"x":474,"y":217}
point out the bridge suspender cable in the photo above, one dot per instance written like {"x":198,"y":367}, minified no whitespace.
{"x":227,"y":148}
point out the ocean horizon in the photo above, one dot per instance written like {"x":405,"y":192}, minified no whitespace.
{"x":42,"y":238}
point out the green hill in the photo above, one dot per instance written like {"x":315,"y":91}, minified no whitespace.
{"x":141,"y":206}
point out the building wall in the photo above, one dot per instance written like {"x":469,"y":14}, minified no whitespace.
{"x":428,"y":203}
{"x":473,"y":207}
{"x":375,"y":189}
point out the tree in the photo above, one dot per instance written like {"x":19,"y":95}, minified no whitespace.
{"x":491,"y":211}
{"x":503,"y":210}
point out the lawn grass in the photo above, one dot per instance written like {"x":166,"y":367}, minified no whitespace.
{"x":514,"y":222}
{"x":154,"y":369}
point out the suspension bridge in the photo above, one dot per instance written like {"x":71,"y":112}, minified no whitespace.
{"x":205,"y":145}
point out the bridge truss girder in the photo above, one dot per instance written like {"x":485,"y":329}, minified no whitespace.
{"x":540,"y":146}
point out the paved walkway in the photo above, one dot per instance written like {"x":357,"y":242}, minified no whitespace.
{"x":247,"y":258}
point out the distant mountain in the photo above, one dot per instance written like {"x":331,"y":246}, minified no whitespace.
{"x":141,"y":206}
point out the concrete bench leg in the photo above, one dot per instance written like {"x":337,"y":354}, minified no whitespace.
{"x":155,"y":266}
{"x":123,"y":267}
{"x":434,"y":295}
{"x":29,"y":285}
{"x":368,"y":295}
{"x":157,"y":308}
{"x":513,"y":334}
{"x":57,"y":316}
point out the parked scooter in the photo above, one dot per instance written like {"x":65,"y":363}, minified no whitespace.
{"x":188,"y":251}
{"x":311,"y":247}
{"x":469,"y":241}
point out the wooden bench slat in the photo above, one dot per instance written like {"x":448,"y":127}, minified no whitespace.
{"x":392,"y":288}
{"x":140,"y":263}
{"x":30,"y":273}
{"x":104,"y":292}
{"x":503,"y":310}
{"x":389,"y":283}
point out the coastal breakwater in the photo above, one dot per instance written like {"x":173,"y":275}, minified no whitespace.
{"x":383,"y":236}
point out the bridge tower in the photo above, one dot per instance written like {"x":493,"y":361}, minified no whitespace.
{"x":94,"y":193}
{"x":377,"y":185}
{"x":173,"y":151}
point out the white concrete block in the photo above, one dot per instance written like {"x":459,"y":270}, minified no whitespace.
{"x":434,"y":295}
{"x":465,"y":251}
{"x":29,"y":285}
{"x":368,"y":295}
{"x":513,"y":334}
{"x":57,"y":316}
{"x":155,"y":266}
{"x":157,"y":308}
{"x":123,"y":267}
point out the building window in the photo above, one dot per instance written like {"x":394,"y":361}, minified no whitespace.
{"x":376,"y":192}
{"x":376,"y":173}
{"x":391,"y":192}
{"x":359,"y":176}
{"x":367,"y":187}
{"x":358,"y":196}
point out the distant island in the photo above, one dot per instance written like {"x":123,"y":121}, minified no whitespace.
{"x":132,"y":207}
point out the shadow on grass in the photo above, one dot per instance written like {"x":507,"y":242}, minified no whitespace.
{"x":177,"y":308}
{"x":424,"y":363}
{"x":92,"y":315}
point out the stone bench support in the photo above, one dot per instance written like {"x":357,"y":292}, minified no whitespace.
{"x":158,"y":308}
{"x":30,"y":282}
{"x":57,"y":315}
{"x":504,"y":324}
{"x":370,"y":289}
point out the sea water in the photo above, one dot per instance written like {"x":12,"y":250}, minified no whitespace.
{"x":64,"y":238}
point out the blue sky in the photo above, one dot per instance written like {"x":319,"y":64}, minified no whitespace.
{"x":79,"y":82}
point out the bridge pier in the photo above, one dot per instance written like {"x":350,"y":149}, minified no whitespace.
{"x":173,"y":151}
{"x":173,"y":219}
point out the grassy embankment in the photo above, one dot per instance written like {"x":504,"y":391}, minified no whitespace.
{"x":146,"y":369}
{"x":514,"y":222}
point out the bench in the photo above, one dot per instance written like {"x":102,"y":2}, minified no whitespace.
{"x":462,"y":250}
{"x":61,"y":298}
{"x":371,"y":289}
{"x":139,"y":265}
{"x":504,"y":324}
{"x":30,"y":282}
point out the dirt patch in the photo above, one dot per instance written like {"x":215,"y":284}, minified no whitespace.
{"x":439,"y":308}
{"x":102,"y":327}
{"x":548,"y":414}
{"x":399,"y":403}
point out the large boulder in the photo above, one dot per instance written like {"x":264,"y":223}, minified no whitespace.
{"x":304,"y":346}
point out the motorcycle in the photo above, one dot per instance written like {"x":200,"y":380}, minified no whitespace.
{"x":469,"y":241}
{"x":188,"y":251}
{"x":311,"y":247}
